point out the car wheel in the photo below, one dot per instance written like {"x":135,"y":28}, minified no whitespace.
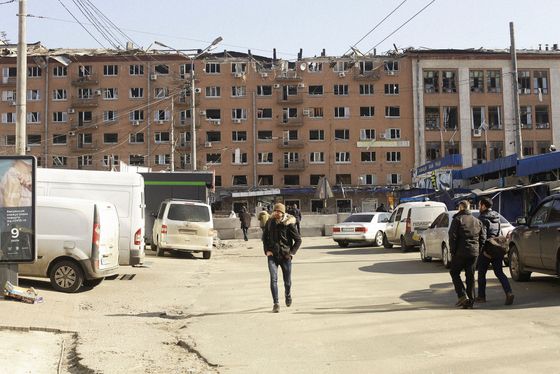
{"x":386,"y":243}
{"x":445,"y":256}
{"x":515,"y":266}
{"x":66,"y":276}
{"x":343,"y":244}
{"x":423,"y":256}
{"x":93,"y":282}
{"x":379,"y":239}
{"x":206,"y":255}
{"x":159,"y":251}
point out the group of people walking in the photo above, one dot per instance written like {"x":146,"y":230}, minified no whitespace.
{"x":473,"y":246}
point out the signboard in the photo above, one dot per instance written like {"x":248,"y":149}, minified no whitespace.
{"x":17,"y":209}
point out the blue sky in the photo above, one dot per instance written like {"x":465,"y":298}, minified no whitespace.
{"x":289,"y":25}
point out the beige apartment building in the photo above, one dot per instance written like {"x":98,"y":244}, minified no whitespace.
{"x":363,"y":122}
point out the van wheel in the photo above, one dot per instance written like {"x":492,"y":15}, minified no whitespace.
{"x":517,"y":274}
{"x":159,"y":251}
{"x":93,"y":282}
{"x":66,"y":276}
{"x":206,"y":255}
{"x":386,"y":243}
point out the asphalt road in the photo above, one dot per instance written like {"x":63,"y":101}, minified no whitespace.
{"x":355,"y":310}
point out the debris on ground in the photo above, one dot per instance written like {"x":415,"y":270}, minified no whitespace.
{"x":26,"y":295}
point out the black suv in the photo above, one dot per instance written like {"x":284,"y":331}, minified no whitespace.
{"x":535,"y":243}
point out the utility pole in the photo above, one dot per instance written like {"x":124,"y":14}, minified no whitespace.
{"x":172,"y":133}
{"x":9,"y":272}
{"x":193,"y":117}
{"x":517,"y":114}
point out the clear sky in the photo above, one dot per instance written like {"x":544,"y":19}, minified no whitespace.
{"x":289,"y":25}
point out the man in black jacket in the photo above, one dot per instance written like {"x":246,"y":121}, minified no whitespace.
{"x":491,"y":222}
{"x":466,"y":236}
{"x":281,"y":240}
{"x":245,"y":219}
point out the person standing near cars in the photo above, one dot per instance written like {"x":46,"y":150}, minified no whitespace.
{"x":245,"y":219}
{"x":466,"y":236}
{"x":491,"y":221}
{"x":281,"y":240}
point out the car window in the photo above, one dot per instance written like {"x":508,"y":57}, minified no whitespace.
{"x":187,"y":212}
{"x":554,"y":215}
{"x":435,"y":223}
{"x":392,"y":218}
{"x":382,"y":217}
{"x":161,"y":210}
{"x":399,"y":214}
{"x":541,"y":215}
{"x":359,"y":218}
{"x":444,"y":220}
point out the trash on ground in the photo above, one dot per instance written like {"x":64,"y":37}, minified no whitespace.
{"x":27,"y":295}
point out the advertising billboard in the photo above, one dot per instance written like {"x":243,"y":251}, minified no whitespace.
{"x":17,"y":209}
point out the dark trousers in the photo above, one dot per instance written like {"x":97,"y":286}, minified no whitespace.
{"x":286,"y":266}
{"x":483,"y":264}
{"x":245,"y":230}
{"x":459,"y":264}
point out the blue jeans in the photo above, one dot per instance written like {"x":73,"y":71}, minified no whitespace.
{"x":286,"y":265}
{"x":483,"y":264}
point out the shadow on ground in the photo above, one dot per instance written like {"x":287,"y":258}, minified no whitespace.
{"x":404,"y":267}
{"x":364,"y":251}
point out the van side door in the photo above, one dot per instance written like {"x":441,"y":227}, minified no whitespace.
{"x":550,"y":237}
{"x":391,"y":230}
{"x":530,"y":239}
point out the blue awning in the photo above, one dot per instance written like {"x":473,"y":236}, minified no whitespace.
{"x":449,"y":160}
{"x":488,"y":167}
{"x":538,"y":164}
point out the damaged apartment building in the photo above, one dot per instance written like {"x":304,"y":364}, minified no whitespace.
{"x":269,"y":128}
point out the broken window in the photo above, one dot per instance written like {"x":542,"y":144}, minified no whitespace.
{"x":431,"y":118}
{"x":291,"y":180}
{"x":214,"y":158}
{"x":264,"y":135}
{"x":541,"y":117}
{"x":431,"y":81}
{"x":494,"y":118}
{"x":136,"y":93}
{"x":477,"y":117}
{"x":391,"y":66}
{"x":213,"y":136}
{"x":392,"y":112}
{"x":528,"y":148}
{"x":448,"y":81}
{"x":341,"y":112}
{"x":367,"y":134}
{"x":213,"y":114}
{"x":110,"y":138}
{"x":476,"y":79}
{"x":239,"y":180}
{"x":135,"y":160}
{"x":494,"y":81}
{"x":344,"y":179}
{"x":238,"y":91}
{"x":540,"y":82}
{"x":316,"y":135}
{"x":85,"y":71}
{"x":315,"y":90}
{"x":367,"y":111}
{"x":368,"y":156}
{"x":317,"y":157}
{"x":239,"y":136}
{"x":161,"y":69}
{"x":59,"y":139}
{"x":315,"y":66}
{"x":524,"y":82}
{"x":478,"y":152}
{"x":266,"y":180}
{"x":265,"y":157}
{"x":392,"y":89}
{"x":450,"y":121}
{"x":264,"y":90}
{"x":433,"y":151}
{"x":496,"y":150}
{"x":264,"y":113}
{"x":451,"y":148}
{"x":239,"y":67}
{"x":239,"y":158}
{"x":341,"y":134}
{"x":315,"y":112}
{"x":136,"y":138}
{"x":526,"y":117}
{"x":365,"y":66}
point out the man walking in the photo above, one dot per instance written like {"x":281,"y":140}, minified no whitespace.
{"x":245,"y":219}
{"x":491,"y":222}
{"x":281,"y":240}
{"x":466,"y":236}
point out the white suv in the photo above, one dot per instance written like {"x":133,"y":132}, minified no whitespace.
{"x":184,"y":226}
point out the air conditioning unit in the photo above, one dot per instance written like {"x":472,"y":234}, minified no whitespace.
{"x":306,"y":112}
{"x":153,"y":77}
{"x":202,"y":112}
{"x":301,"y":85}
{"x":72,"y":133}
{"x":160,"y":122}
{"x":238,"y":75}
{"x":390,"y":72}
{"x":236,"y":120}
{"x":135,"y":123}
{"x":342,"y":74}
{"x":477,"y":133}
{"x":208,"y":144}
{"x":276,"y":85}
{"x":264,"y":75}
{"x":71,"y":110}
{"x":98,"y":92}
{"x":197,"y":90}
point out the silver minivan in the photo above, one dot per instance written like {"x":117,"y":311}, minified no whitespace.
{"x":184,"y":226}
{"x":77,"y":242}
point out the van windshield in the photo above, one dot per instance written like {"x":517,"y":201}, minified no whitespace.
{"x":191,"y":213}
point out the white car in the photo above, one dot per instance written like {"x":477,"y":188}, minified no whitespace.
{"x":434,"y":242}
{"x":184,"y":226}
{"x":361,"y":228}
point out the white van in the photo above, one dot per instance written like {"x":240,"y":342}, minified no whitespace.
{"x":408,"y":220}
{"x":185,"y":226}
{"x":77,"y":242}
{"x":124,"y":190}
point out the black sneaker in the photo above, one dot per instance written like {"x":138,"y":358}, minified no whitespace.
{"x":469,"y":304}
{"x":480,"y":299}
{"x":462,"y":300}
{"x":276,"y":308}
{"x":509,"y":298}
{"x":288,"y":301}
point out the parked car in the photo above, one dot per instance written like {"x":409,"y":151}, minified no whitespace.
{"x":535,"y":244}
{"x":361,"y":228}
{"x":184,"y":226}
{"x":435,"y":239}
{"x":408,"y":221}
{"x":77,"y":242}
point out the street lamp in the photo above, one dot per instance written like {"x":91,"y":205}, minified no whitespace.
{"x":193,"y":100}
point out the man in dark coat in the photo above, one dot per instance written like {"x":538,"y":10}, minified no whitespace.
{"x":491,"y":221}
{"x":466,"y":236}
{"x":245,"y":219}
{"x":281,"y":240}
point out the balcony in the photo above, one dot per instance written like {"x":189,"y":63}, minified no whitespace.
{"x":86,"y":80}
{"x":292,"y":165}
{"x":88,"y":102}
{"x":291,"y":122}
{"x":8,"y":81}
{"x":285,"y":143}
{"x":371,"y":75}
{"x":290,"y":99}
{"x":289,"y":76}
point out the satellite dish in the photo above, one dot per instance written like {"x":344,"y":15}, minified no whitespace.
{"x":303,"y":66}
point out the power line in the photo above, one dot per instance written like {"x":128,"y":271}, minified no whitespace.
{"x":77,"y":21}
{"x":376,"y":26}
